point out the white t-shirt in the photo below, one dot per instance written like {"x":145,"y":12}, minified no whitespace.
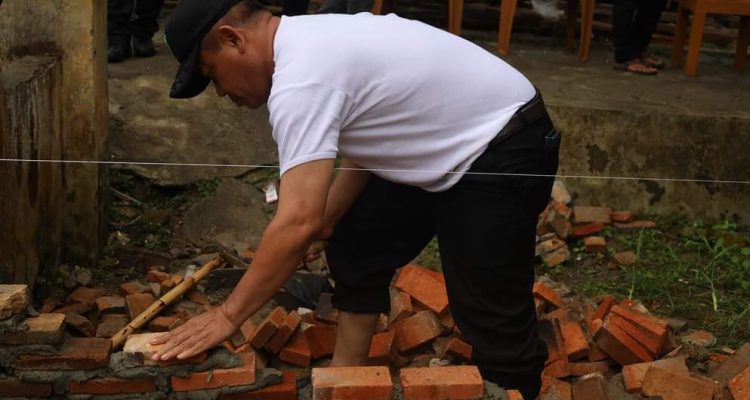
{"x":406,"y":100}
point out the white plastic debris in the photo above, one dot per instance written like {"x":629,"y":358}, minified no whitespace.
{"x":272,"y":195}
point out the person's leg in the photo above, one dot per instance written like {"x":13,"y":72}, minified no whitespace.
{"x":333,"y":7}
{"x":295,"y":7}
{"x":388,"y":225}
{"x":358,"y":6}
{"x":145,"y":25}
{"x":486,"y":233}
{"x":118,"y":29}
{"x":645,"y":23}
{"x":623,"y":16}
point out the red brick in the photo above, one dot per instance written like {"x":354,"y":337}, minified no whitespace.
{"x":285,"y":331}
{"x":110,"y":325}
{"x":595,"y":244}
{"x":133,"y":288}
{"x":622,"y":216}
{"x":447,"y":321}
{"x":77,"y":353}
{"x":418,"y":329}
{"x":555,"y":389}
{"x":14,"y":299}
{"x":138,"y":303}
{"x":675,"y":386}
{"x":652,"y":332}
{"x":635,"y":225}
{"x":85,"y":295}
{"x":593,"y":228}
{"x":110,"y":305}
{"x":78,"y":308}
{"x":164,"y":324}
{"x":549,"y":246}
{"x":12,"y":387}
{"x":112,"y":386}
{"x":546,"y":293}
{"x":268,"y":328}
{"x":585,"y":368}
{"x":718,"y":358}
{"x":154,"y":275}
{"x":245,"y":333}
{"x":139,"y":350}
{"x":596,"y":353}
{"x":576,"y":342}
{"x":633,"y":374}
{"x":424,"y":286}
{"x":635,"y":331}
{"x":559,"y":224}
{"x":296,"y":351}
{"x":700,"y":338}
{"x":590,"y":388}
{"x":604,"y":306}
{"x":400,"y":306}
{"x":240,"y":376}
{"x":595,"y":326}
{"x":556,"y":257}
{"x":321,"y":339}
{"x":383,"y":348}
{"x":50,"y":304}
{"x":352,"y":383}
{"x":621,"y":346}
{"x":459,"y":382}
{"x":736,"y":364}
{"x":557,"y":361}
{"x":80,"y":324}
{"x":44,"y":329}
{"x":582,"y":215}
{"x":286,"y":390}
{"x":740,"y":385}
{"x":325,"y":312}
{"x":514,"y":394}
{"x":459,"y":349}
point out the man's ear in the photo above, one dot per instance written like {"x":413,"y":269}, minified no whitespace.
{"x":232,"y":37}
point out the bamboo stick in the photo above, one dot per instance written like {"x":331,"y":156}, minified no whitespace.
{"x":154,"y":309}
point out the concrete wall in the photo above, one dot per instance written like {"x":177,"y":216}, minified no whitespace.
{"x":651,"y":144}
{"x":76,"y":31}
{"x":30,"y":204}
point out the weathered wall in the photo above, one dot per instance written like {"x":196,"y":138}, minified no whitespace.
{"x":652,"y":144}
{"x":76,"y":30}
{"x":30,"y":204}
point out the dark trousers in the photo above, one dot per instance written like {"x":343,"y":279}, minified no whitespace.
{"x":634,"y":22}
{"x":485,"y":226}
{"x":137,"y":18}
{"x":345,"y":6}
{"x":295,"y":7}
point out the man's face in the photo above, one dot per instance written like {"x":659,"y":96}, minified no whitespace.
{"x":241,"y":75}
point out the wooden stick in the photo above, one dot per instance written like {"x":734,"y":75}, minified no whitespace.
{"x":154,"y":309}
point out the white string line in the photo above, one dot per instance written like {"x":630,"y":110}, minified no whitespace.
{"x":174,"y":164}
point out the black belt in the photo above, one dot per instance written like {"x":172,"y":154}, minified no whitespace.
{"x":531,"y":112}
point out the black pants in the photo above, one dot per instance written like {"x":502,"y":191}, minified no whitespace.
{"x":345,"y":6}
{"x":295,"y":7}
{"x":634,"y":22}
{"x":485,"y":226}
{"x":120,"y":22}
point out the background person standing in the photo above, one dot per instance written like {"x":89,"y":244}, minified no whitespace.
{"x":131,"y":20}
{"x":633,"y":23}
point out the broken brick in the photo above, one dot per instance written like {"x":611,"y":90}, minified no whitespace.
{"x":110,"y":305}
{"x":138,"y":303}
{"x":620,"y":346}
{"x":557,"y":359}
{"x":164,"y":324}
{"x":670,"y":385}
{"x":549,"y":246}
{"x":44,"y":329}
{"x":321,"y":340}
{"x":217,"y":378}
{"x":585,"y":368}
{"x":740,"y":385}
{"x":12,"y":387}
{"x":656,"y":330}
{"x":267,"y":328}
{"x":352,"y":383}
{"x":590,"y":388}
{"x":633,"y":374}
{"x":325,"y":311}
{"x":736,"y":364}
{"x":424,"y":286}
{"x":400,"y":306}
{"x":700,"y":338}
{"x":112,"y":386}
{"x":558,"y":222}
{"x":635,"y":225}
{"x":556,"y":257}
{"x":244,"y":334}
{"x":76,"y":354}
{"x":604,"y":306}
{"x":514,"y":394}
{"x":110,"y":325}
{"x":546,"y":293}
{"x":622,"y":216}
{"x":459,"y":349}
{"x":139,"y":350}
{"x":447,"y":321}
{"x":13,"y":300}
{"x":576,"y":342}
{"x":595,"y":244}
{"x":418,"y":329}
{"x":296,"y":351}
{"x":154,"y":275}
{"x":80,"y":324}
{"x":555,"y":389}
{"x":593,"y":228}
{"x":285,"y":331}
{"x":49,"y":305}
{"x":133,"y":288}
{"x":78,"y":308}
{"x":383,"y":348}
{"x":583,"y":215}
{"x":454,"y":382}
{"x":285,"y":390}
{"x":84,"y":295}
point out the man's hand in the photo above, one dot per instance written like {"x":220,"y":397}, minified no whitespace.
{"x":196,"y":336}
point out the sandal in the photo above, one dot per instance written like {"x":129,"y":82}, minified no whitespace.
{"x":636,"y":67}
{"x":651,"y":60}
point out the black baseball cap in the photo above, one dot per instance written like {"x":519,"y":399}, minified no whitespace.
{"x":188,"y":24}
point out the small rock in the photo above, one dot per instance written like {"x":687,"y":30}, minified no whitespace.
{"x":626,"y":258}
{"x":437,"y":362}
{"x":677,"y":324}
{"x":560,"y":192}
{"x":700,"y":338}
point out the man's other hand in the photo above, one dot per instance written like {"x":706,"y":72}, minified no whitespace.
{"x":196,"y":336}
